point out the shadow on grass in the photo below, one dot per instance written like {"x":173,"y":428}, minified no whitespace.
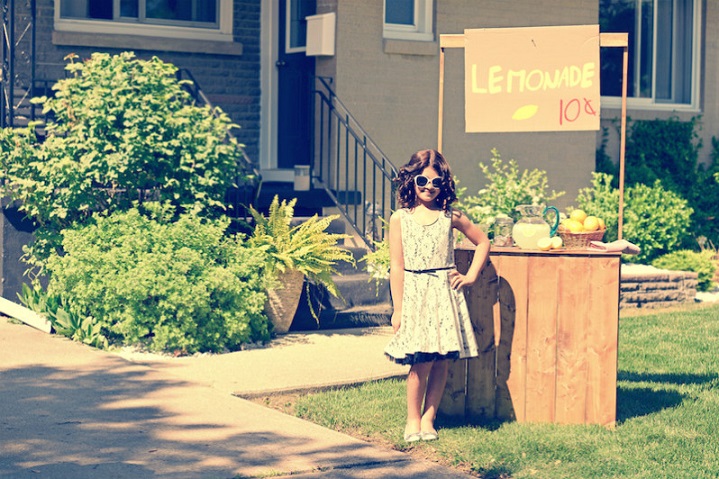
{"x":498,"y":472}
{"x":633,"y":402}
{"x":668,"y":378}
{"x":487,"y":423}
{"x":638,"y":402}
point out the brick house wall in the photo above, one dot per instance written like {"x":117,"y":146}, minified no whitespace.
{"x":230,"y":80}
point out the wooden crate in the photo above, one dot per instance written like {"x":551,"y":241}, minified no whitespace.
{"x":547,"y":329}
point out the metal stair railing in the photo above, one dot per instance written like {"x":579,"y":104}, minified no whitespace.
{"x":350,"y":167}
{"x":17,"y":58}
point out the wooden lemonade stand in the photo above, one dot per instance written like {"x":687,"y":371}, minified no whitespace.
{"x":547,"y":326}
{"x":546,"y":322}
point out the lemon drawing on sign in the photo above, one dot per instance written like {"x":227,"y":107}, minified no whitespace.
{"x":525,"y":112}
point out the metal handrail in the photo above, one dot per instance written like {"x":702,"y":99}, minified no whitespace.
{"x":350,"y":167}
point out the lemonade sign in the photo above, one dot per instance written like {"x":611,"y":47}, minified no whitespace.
{"x":532,"y":79}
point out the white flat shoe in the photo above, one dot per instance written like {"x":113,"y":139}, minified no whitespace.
{"x":429,"y":435}
{"x":412,"y":436}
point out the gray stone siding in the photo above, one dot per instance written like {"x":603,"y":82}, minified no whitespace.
{"x":657,"y":289}
{"x":402,"y":115}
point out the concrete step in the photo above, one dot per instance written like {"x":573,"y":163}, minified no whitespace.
{"x":308,"y":202}
{"x":345,"y":268}
{"x":358,"y":290}
{"x":356,"y":317}
{"x":337,"y":226}
{"x":364,"y":305}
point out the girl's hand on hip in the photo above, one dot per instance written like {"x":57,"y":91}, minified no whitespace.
{"x":396,"y":321}
{"x":458,"y":281}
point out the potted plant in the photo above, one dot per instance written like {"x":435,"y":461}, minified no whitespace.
{"x":293,"y":254}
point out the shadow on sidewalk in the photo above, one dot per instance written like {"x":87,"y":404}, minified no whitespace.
{"x":117,"y":420}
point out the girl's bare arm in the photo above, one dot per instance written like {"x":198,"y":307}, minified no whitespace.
{"x":396,"y":268}
{"x":463,"y":224}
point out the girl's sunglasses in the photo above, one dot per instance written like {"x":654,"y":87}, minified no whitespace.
{"x":422,"y":181}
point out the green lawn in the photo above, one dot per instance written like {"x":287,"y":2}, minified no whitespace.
{"x":667,"y":425}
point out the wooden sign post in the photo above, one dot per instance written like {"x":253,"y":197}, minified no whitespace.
{"x":546,"y":322}
{"x":557,"y":93}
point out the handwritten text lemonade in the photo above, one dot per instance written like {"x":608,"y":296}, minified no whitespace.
{"x":497,"y":79}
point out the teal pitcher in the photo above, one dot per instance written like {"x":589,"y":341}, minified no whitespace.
{"x":532,"y":226}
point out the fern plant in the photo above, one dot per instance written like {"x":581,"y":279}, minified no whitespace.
{"x":306,"y":247}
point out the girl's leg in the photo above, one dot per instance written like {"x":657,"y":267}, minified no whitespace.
{"x":416,"y":389}
{"x":435,"y":390}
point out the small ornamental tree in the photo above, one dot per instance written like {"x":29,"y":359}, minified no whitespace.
{"x":120,"y":130}
{"x":506,"y":188}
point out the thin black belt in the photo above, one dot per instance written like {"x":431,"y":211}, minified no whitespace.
{"x":429,"y":270}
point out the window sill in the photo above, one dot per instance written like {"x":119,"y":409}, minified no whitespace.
{"x":410,"y":47}
{"x":139,"y":42}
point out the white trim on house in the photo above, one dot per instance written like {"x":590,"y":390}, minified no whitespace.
{"x":221,"y":34}
{"x":649,"y":104}
{"x":422,"y":29}
{"x":268,"y":98}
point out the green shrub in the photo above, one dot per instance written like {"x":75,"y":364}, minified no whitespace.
{"x":704,"y":198}
{"x":665,"y":150}
{"x":668,"y":150}
{"x":121,"y":130}
{"x":701,"y":262}
{"x":506,"y":188}
{"x":655,"y":219}
{"x":178,"y":286}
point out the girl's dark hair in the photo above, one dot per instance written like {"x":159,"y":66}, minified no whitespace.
{"x":419,"y":161}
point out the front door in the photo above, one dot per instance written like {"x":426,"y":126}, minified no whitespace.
{"x":294,"y":78}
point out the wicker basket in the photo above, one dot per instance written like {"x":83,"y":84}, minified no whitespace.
{"x":580,"y":240}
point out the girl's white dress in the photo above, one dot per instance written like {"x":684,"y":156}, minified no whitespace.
{"x":435,"y":319}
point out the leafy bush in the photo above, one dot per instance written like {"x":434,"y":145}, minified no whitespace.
{"x":668,"y":150}
{"x":701,"y":262}
{"x":704,"y":198}
{"x":121,"y":130}
{"x":506,"y":188}
{"x":655,"y":219}
{"x":168,"y":286}
{"x":665,"y":150}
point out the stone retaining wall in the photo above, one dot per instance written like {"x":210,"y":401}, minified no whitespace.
{"x":657,"y":289}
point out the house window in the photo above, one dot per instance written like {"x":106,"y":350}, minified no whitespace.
{"x":663,"y":68}
{"x":196,"y":19}
{"x":408,"y":20}
{"x":296,"y":24}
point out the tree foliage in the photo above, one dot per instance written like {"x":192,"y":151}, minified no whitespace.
{"x":120,"y":130}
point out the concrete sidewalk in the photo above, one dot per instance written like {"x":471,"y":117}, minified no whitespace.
{"x":70,"y":411}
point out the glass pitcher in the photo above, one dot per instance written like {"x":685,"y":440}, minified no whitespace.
{"x":532,"y":225}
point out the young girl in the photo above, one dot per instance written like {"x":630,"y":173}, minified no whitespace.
{"x":430,"y":318}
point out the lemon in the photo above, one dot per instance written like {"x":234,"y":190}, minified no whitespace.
{"x":578,"y":215}
{"x":574,"y":226}
{"x":591,"y":223}
{"x":557,"y":242}
{"x":602,"y":226}
{"x":545,"y":244}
